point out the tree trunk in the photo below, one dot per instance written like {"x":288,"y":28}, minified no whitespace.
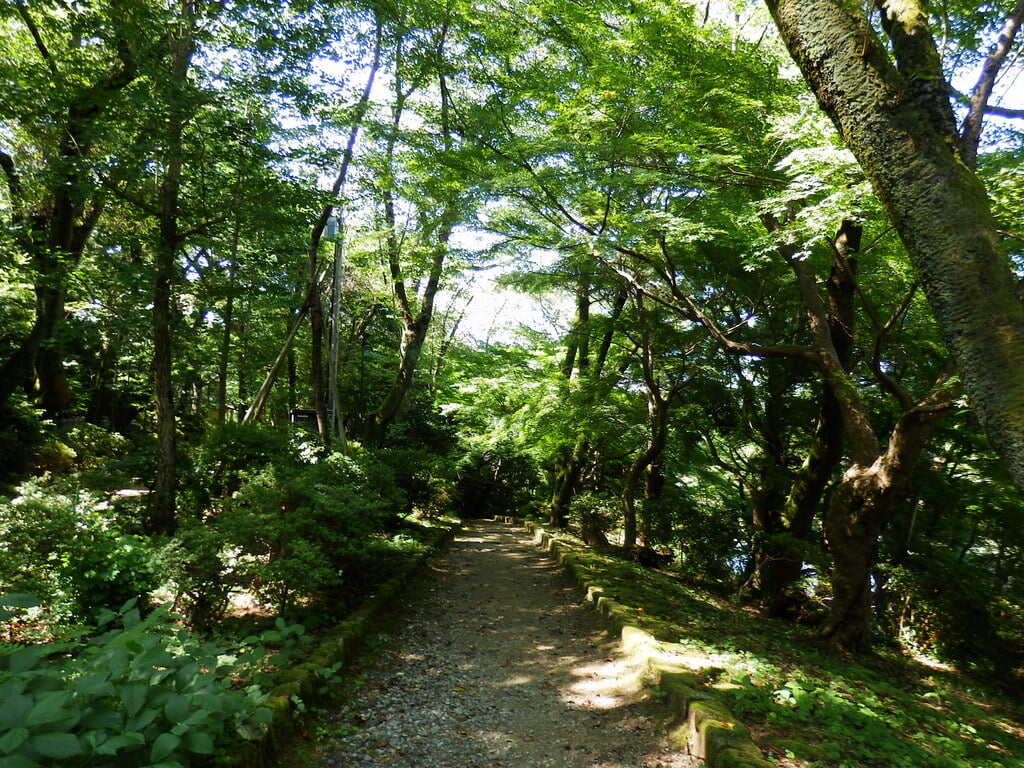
{"x":260,"y":400}
{"x":657,"y":420}
{"x":414,"y":325}
{"x":410,"y":349}
{"x":567,"y":483}
{"x":317,"y":381}
{"x":55,"y":241}
{"x":861,"y":507}
{"x":225,"y":340}
{"x":54,"y":231}
{"x":896,"y":118}
{"x":242,"y":371}
{"x":414,"y":328}
{"x":163,"y":511}
{"x":796,"y":518}
{"x":568,"y":466}
{"x":783,"y":566}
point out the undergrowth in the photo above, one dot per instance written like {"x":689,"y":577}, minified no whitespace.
{"x":885,"y":710}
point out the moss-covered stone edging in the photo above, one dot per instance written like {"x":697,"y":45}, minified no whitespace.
{"x":700,"y":723}
{"x":342,"y":644}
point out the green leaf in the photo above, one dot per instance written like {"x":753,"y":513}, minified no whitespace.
{"x":199,"y":742}
{"x":209,"y":702}
{"x":11,"y":687}
{"x":144,"y":719}
{"x":19,"y":761}
{"x":57,"y":745}
{"x":120,"y":742}
{"x":133,"y":696}
{"x":14,"y":710}
{"x":25,"y":659}
{"x":164,"y":745}
{"x":50,"y":708}
{"x":176,"y":708}
{"x":187,"y":674}
{"x":97,"y":684}
{"x":196,"y":717}
{"x":13,"y":739}
{"x":103,"y":719}
{"x":19,"y":600}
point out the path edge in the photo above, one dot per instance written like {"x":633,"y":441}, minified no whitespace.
{"x":700,"y":723}
{"x":341,"y":645}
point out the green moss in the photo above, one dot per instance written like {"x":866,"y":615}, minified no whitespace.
{"x":776,"y":676}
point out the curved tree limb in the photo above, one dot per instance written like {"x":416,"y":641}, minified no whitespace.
{"x":970,"y":130}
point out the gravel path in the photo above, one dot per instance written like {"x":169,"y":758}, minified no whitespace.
{"x":500,"y":666}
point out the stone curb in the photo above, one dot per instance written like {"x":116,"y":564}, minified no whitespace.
{"x":341,"y":645}
{"x":701,"y":724}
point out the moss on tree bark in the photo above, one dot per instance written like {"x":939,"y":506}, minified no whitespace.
{"x":900,"y":127}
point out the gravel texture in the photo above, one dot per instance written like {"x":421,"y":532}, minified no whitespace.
{"x":499,"y":665}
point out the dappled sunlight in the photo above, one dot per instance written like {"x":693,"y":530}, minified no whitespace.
{"x":606,"y":684}
{"x":511,"y":663}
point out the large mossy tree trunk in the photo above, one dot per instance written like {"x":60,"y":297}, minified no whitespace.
{"x":893,"y":111}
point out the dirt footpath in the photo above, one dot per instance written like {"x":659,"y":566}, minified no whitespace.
{"x":500,"y":665}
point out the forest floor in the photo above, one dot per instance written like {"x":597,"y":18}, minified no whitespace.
{"x":499,"y":665}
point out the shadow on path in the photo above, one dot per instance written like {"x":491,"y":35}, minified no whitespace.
{"x":500,"y":665}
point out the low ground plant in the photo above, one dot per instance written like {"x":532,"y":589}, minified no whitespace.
{"x":882,"y":711}
{"x":303,"y":531}
{"x":142,"y":692}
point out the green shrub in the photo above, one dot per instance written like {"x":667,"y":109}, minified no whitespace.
{"x":413,"y":472}
{"x":957,"y":616}
{"x":106,"y":569}
{"x":497,"y":481}
{"x":422,"y":425}
{"x":144,"y":694}
{"x":291,"y":529}
{"x":70,"y":549}
{"x":593,"y":512}
{"x":196,"y":568}
{"x":366,"y":564}
{"x":54,"y":456}
{"x":93,"y":445}
{"x":214,"y":467}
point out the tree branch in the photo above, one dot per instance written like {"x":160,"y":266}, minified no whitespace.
{"x":123,"y":194}
{"x":38,"y":38}
{"x":970,"y":132}
{"x":733,"y":469}
{"x":1004,"y":112}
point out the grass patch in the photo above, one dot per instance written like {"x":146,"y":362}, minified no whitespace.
{"x":810,"y":708}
